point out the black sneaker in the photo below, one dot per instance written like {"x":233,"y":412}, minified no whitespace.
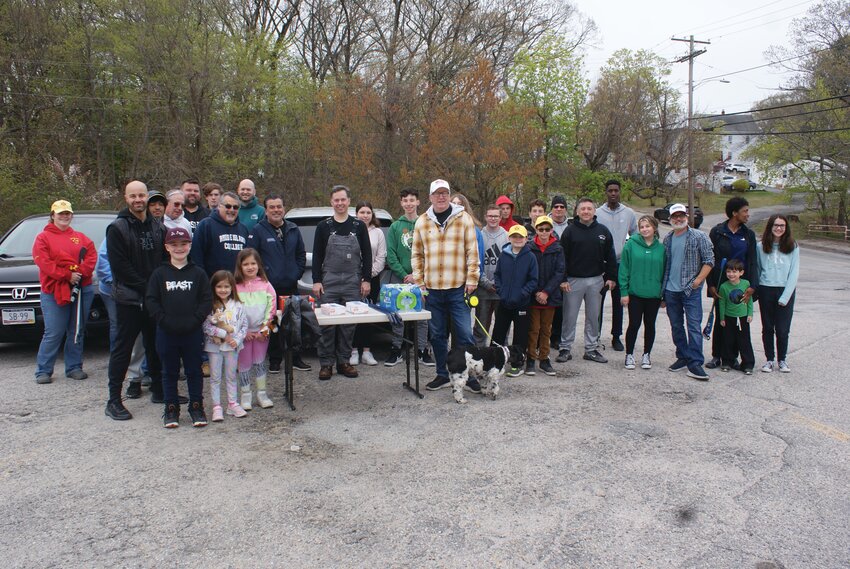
{"x":472,"y":385}
{"x":171,"y":416}
{"x":274,"y":367}
{"x":439,"y":382}
{"x":616,"y":344}
{"x":196,"y":412}
{"x":595,"y":356}
{"x":563,"y":356}
{"x":679,"y":365}
{"x":134,"y":390}
{"x":697,"y":372}
{"x":299,"y":364}
{"x":546,"y":367}
{"x":115,"y":410}
{"x":426,"y":359}
{"x":395,"y":359}
{"x":529,"y":367}
{"x":713,"y":363}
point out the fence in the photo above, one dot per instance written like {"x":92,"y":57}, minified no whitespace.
{"x":841,"y":231}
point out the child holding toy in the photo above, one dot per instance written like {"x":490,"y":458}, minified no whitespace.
{"x":225,"y":330}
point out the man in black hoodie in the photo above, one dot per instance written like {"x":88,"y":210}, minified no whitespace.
{"x":591,"y":264}
{"x":134,"y":243}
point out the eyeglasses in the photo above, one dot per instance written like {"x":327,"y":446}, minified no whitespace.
{"x":544,"y":229}
{"x":497,"y":216}
{"x":780,"y":225}
{"x":559,"y":207}
{"x":230,"y":206}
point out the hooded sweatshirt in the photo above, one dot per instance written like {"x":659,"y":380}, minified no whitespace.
{"x":399,"y":245}
{"x":510,"y":221}
{"x":134,"y":248}
{"x":445,"y":255}
{"x":516,"y":277}
{"x":216,"y":243}
{"x":57,"y":254}
{"x":589,"y":250}
{"x":251,"y":212}
{"x":232,"y":313}
{"x":620,"y":222}
{"x":179,"y":299}
{"x":493,"y":244}
{"x":642,"y":268}
{"x":257,"y":296}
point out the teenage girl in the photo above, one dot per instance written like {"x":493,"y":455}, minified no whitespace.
{"x":224,"y":331}
{"x":258,"y":296}
{"x":366,"y":214}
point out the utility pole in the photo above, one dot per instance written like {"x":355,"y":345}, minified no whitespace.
{"x":690,"y":59}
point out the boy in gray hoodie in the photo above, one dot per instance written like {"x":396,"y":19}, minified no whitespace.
{"x":495,"y":239}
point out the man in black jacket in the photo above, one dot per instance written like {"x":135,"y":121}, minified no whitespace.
{"x":591,"y":264}
{"x":134,"y":243}
{"x":731,"y":239}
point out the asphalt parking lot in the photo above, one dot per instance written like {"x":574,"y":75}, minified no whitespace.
{"x":597,"y":467}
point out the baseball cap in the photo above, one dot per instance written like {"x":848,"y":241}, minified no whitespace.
{"x":558,"y":200}
{"x":437,"y":184}
{"x":544,"y":219}
{"x":518,"y":230}
{"x":177,"y":234}
{"x":154,"y":196}
{"x":678,"y":208}
{"x":61,"y":205}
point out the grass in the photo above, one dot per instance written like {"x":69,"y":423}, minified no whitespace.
{"x":715,"y":203}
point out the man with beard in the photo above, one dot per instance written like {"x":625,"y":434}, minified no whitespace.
{"x":688,"y":261}
{"x":193,"y":211}
{"x":250,"y":211}
{"x":220,"y":237}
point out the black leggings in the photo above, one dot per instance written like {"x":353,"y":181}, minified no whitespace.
{"x":645,"y":309}
{"x":776,"y":320}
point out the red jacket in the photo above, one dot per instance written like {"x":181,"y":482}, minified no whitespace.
{"x":510,"y":221}
{"x":57,"y":254}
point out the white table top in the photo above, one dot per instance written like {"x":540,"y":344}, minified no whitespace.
{"x":372,"y":316}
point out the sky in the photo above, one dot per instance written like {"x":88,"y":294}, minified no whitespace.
{"x":740,"y":33}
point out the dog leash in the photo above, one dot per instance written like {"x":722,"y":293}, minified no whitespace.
{"x":480,"y":325}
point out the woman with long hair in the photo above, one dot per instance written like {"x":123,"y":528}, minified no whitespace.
{"x":779,"y":267}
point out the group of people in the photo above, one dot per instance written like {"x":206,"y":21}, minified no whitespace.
{"x":198,"y":287}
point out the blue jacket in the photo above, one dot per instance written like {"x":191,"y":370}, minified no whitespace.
{"x":516,"y":277}
{"x":103,"y":270}
{"x":284,"y":262}
{"x":216,"y":243}
{"x":551,"y":266}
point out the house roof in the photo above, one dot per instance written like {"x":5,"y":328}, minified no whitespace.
{"x":732,"y":124}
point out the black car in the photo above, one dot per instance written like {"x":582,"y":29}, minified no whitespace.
{"x":662,"y":214}
{"x":20,"y":290}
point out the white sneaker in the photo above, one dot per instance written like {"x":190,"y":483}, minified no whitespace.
{"x":369,"y":359}
{"x":630,"y":361}
{"x":355,"y":358}
{"x":264,"y":400}
{"x":767,"y":367}
{"x":247,"y":397}
{"x":783,"y":367}
{"x":645,"y":362}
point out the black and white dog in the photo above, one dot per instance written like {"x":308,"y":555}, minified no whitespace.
{"x":487,"y":365}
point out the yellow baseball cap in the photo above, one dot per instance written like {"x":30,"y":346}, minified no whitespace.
{"x":61,"y":205}
{"x":543,"y":219}
{"x":518,"y":230}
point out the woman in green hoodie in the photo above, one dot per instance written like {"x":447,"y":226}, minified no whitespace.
{"x":640,"y":276}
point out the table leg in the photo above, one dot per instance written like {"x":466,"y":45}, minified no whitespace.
{"x":288,"y":376}
{"x":407,"y":349}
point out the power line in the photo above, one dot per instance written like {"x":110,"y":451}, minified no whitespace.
{"x":706,"y":29}
{"x":711,"y":25}
{"x":711,"y":128}
{"x":732,"y":33}
{"x":768,"y":64}
{"x":785,"y":106}
{"x":816,"y":131}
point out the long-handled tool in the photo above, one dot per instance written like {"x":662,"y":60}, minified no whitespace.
{"x":709,"y":326}
{"x":77,"y":296}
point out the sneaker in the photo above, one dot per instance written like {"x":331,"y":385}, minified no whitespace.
{"x":713,"y":363}
{"x":783,"y":367}
{"x":767,"y":367}
{"x":563,"y":356}
{"x":247,"y":399}
{"x":473,"y":386}
{"x":438,"y":382}
{"x":425,"y":358}
{"x":299,"y":364}
{"x":679,"y":365}
{"x":77,"y":374}
{"x":394,"y":358}
{"x":134,"y":390}
{"x":616,"y":344}
{"x":697,"y":372}
{"x":205,"y":369}
{"x":264,"y":400}
{"x":218,"y":415}
{"x":646,"y":362}
{"x":116,"y":410}
{"x":355,"y":358}
{"x":43,"y":378}
{"x":274,"y":367}
{"x":595,"y":356}
{"x":234,"y":409}
{"x":724,"y":368}
{"x":630,"y":361}
{"x":326,"y":372}
{"x":748,"y":371}
{"x":513,"y":372}
{"x":347,"y":370}
{"x":546,"y":367}
{"x":196,"y":412}
{"x":157,"y":397}
{"x":369,"y":359}
{"x":529,"y":367}
{"x":171,"y":416}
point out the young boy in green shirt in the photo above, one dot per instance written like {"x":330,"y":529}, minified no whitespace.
{"x":735,"y":318}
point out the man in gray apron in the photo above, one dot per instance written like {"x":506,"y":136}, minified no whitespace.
{"x":342,"y":266}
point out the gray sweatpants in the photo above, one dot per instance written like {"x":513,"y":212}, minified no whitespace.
{"x":582,"y":289}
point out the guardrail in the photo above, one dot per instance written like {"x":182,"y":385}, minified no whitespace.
{"x":838,"y":230}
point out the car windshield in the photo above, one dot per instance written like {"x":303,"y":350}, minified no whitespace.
{"x":18,"y":242}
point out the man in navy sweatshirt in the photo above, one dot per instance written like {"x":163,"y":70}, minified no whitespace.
{"x":219,"y":237}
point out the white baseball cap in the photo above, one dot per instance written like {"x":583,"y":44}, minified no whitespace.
{"x":678,"y":208}
{"x":438,"y":184}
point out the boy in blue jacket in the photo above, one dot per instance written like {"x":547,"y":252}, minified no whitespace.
{"x":516,"y":281}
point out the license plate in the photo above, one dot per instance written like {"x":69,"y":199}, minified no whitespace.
{"x":12,"y":316}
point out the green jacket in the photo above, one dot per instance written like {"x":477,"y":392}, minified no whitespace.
{"x":641,"y":268}
{"x":399,"y":244}
{"x":730,"y":309}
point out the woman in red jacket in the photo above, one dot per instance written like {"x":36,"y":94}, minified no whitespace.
{"x":65,"y":260}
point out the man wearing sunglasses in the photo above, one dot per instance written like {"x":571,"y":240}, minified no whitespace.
{"x":219,"y":237}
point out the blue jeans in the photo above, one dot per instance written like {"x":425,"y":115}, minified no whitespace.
{"x":679,"y":309}
{"x":109,"y":303}
{"x":59,"y":322}
{"x":445,"y":304}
